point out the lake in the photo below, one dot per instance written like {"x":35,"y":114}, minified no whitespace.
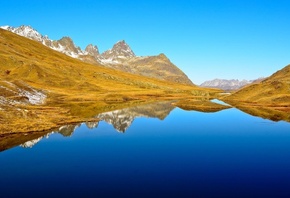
{"x":154,"y":151}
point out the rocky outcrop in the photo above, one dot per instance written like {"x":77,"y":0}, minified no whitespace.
{"x":92,"y":50}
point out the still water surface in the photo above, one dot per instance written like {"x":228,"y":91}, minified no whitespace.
{"x":176,"y":154}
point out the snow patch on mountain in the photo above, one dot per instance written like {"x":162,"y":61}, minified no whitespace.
{"x":23,"y":94}
{"x":34,"y":97}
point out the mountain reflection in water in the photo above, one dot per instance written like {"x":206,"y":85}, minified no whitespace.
{"x":120,"y":119}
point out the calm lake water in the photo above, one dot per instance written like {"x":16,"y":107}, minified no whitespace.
{"x":154,"y":151}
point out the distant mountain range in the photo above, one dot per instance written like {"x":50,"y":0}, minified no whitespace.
{"x":228,"y":85}
{"x":120,"y":57}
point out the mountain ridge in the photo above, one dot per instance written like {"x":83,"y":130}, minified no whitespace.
{"x":120,"y":56}
{"x":228,"y":85}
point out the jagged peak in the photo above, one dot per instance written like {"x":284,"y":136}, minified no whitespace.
{"x":163,"y":57}
{"x":68,"y":42}
{"x":92,"y":50}
{"x":121,"y":42}
{"x":66,"y":38}
{"x":26,"y":26}
{"x":91,"y":46}
{"x":121,"y":48}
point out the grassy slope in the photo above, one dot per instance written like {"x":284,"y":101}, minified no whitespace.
{"x":159,"y":67}
{"x":76,"y":90}
{"x":273,"y":91}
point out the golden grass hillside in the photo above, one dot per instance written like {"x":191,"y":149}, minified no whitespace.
{"x":75,"y":90}
{"x":272,"y":91}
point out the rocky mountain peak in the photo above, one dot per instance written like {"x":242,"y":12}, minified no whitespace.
{"x":123,"y":49}
{"x":163,"y":56}
{"x":69,"y":46}
{"x":120,"y":50}
{"x":92,"y":50}
{"x":66,"y":41}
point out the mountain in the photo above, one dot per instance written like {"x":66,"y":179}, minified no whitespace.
{"x":92,"y":50}
{"x":64,"y":45}
{"x":120,"y":57}
{"x":272,"y":91}
{"x":121,"y":50}
{"x":42,"y":88}
{"x":227,"y":85}
{"x":159,"y":67}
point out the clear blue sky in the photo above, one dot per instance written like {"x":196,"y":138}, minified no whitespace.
{"x":240,"y":39}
